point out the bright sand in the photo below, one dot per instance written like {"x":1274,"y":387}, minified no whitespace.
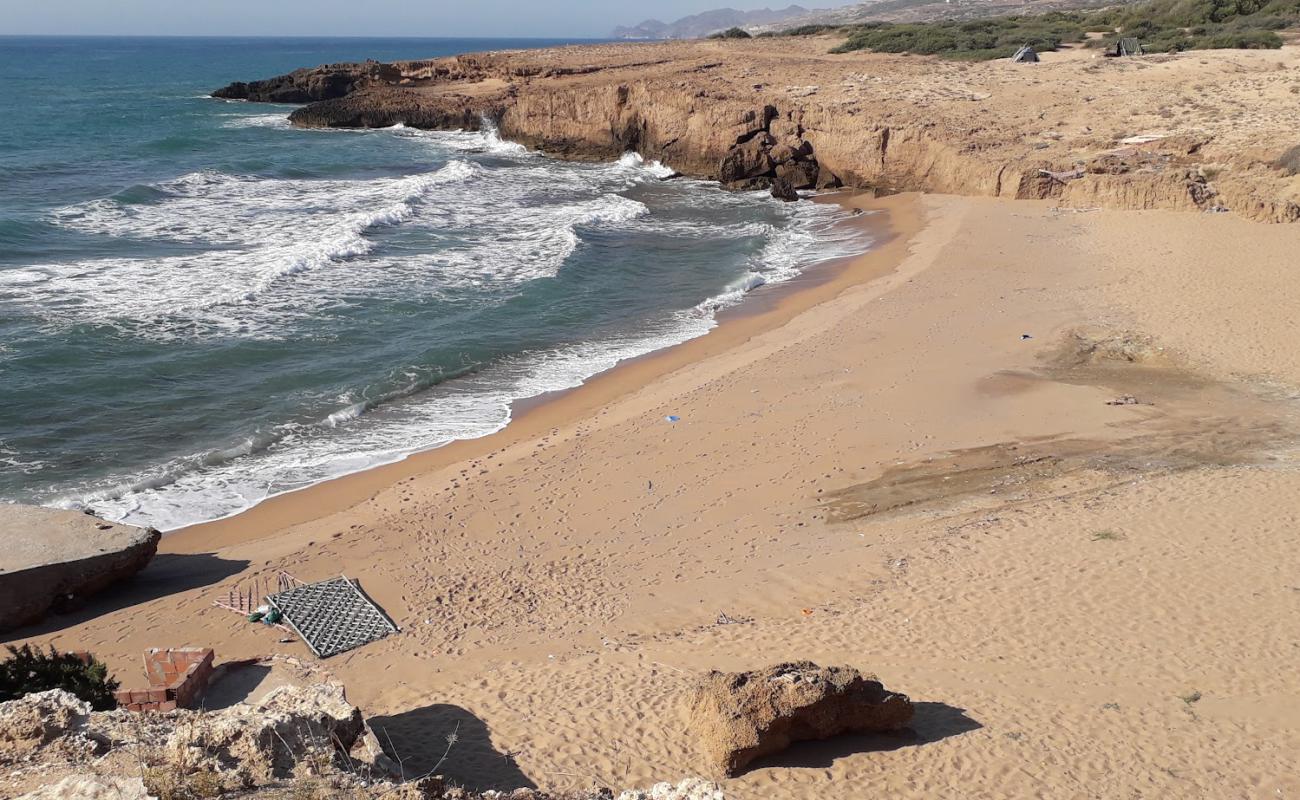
{"x":1104,"y":606}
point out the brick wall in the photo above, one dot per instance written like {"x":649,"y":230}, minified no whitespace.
{"x":177,"y":679}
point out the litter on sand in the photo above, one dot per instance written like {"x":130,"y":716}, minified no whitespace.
{"x":672,"y":418}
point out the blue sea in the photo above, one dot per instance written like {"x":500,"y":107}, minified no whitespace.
{"x":201,"y":307}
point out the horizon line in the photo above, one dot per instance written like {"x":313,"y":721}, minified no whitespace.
{"x":297,"y":36}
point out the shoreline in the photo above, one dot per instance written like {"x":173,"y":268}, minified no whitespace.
{"x":896,"y":219}
{"x":894,"y":480}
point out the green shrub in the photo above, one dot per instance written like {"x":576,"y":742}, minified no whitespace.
{"x":995,"y":37}
{"x":809,"y":30}
{"x":731,"y":33}
{"x":1161,"y":25}
{"x":28,"y":670}
{"x":1289,"y":162}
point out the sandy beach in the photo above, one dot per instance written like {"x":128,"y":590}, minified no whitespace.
{"x":1033,"y":466}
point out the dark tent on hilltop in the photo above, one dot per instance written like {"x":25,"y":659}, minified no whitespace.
{"x":1025,"y":55}
{"x":1128,"y":46}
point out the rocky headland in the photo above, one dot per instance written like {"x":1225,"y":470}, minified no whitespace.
{"x":1210,"y":131}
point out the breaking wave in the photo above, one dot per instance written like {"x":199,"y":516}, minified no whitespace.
{"x":216,"y":260}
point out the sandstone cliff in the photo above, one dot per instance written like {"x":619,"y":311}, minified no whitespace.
{"x":1162,"y":132}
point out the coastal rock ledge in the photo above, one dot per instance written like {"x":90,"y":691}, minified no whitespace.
{"x":52,"y":560}
{"x":784,"y":114}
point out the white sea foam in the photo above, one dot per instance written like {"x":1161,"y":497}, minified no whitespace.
{"x":259,"y":121}
{"x":256,"y":255}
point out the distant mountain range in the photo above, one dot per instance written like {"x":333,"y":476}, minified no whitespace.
{"x":766,"y":20}
{"x":698,"y":25}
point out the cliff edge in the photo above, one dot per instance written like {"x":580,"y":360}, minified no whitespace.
{"x":1209,"y":130}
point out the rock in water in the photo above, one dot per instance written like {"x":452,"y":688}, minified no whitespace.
{"x":310,"y":85}
{"x":53,"y":559}
{"x":783,"y":189}
{"x":741,"y":716}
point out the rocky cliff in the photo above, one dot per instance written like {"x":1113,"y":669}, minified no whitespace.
{"x":783,"y":113}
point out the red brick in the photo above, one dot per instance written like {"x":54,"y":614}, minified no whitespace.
{"x":133,"y":707}
{"x":122,"y":696}
{"x":157,"y":695}
{"x":170,"y":705}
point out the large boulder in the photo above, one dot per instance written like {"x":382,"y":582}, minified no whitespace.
{"x":782,"y":189}
{"x":55,"y":719}
{"x":252,"y":745}
{"x":749,"y":159}
{"x":741,"y":716}
{"x":799,"y":174}
{"x":53,"y":560}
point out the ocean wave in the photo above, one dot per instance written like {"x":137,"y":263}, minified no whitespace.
{"x":635,"y":161}
{"x":487,"y":140}
{"x":263,"y":258}
{"x":426,"y":411}
{"x":259,"y":121}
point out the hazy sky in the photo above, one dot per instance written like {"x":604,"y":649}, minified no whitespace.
{"x":537,"y":18}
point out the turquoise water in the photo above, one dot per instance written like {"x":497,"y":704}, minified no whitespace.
{"x":201,"y":307}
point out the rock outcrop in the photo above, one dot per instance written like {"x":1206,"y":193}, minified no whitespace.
{"x":742,"y":716}
{"x":53,"y":560}
{"x":92,"y":787}
{"x":783,"y":114}
{"x":54,"y":720}
{"x":384,"y":107}
{"x":298,"y":741}
{"x":312,"y":84}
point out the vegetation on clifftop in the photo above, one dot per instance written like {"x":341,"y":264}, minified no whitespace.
{"x":731,"y":33}
{"x":977,"y":40}
{"x":1161,"y":26}
{"x":28,"y":671}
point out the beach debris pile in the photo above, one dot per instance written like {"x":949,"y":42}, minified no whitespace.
{"x":742,"y":716}
{"x":331,"y":616}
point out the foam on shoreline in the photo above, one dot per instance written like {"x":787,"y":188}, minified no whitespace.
{"x":421,"y":410}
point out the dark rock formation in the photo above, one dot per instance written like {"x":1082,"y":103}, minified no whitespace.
{"x":751,"y":159}
{"x":783,"y":189}
{"x":53,"y":560}
{"x":325,"y":82}
{"x":741,"y":716}
{"x":383,"y":107}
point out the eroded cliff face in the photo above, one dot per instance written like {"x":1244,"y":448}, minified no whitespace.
{"x":782,"y":114}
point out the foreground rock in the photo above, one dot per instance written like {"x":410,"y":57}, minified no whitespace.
{"x":92,"y":787}
{"x":298,"y":741}
{"x":742,"y":716}
{"x":53,"y":560}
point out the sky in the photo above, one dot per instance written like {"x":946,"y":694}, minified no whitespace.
{"x":522,"y":18}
